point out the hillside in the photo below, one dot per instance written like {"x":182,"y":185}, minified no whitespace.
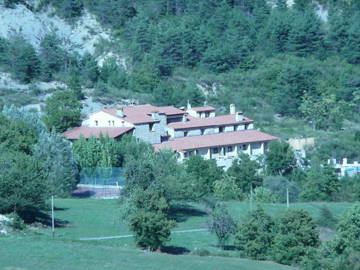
{"x":293,"y":67}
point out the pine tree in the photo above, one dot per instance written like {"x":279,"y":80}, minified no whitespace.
{"x":276,"y":32}
{"x":352,"y":48}
{"x":52,"y":56}
{"x":24,"y":63}
{"x":306,"y":35}
{"x":281,"y":5}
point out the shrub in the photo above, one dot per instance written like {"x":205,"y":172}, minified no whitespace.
{"x":226,"y":189}
{"x":263,"y":195}
{"x":296,"y":237}
{"x":255,"y":235}
{"x":16,"y":222}
{"x":201,"y":252}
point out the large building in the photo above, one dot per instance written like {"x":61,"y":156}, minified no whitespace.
{"x":190,"y":131}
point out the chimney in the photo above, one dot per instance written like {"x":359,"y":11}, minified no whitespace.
{"x":232,"y":109}
{"x":120,"y":112}
{"x":239,"y":117}
{"x":184,"y":118}
{"x":155,"y":115}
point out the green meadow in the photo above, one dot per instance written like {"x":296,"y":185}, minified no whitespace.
{"x":88,"y":218}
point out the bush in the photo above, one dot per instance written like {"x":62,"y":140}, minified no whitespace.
{"x":16,"y":222}
{"x":296,"y":237}
{"x":226,"y":189}
{"x":255,"y":235}
{"x":262,"y":195}
{"x":201,"y":252}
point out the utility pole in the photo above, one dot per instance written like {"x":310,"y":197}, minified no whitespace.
{"x":52,"y":217}
{"x":251,"y":198}
{"x":287,"y":197}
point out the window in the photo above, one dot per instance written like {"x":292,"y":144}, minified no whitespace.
{"x":215,"y":150}
{"x":151,"y":127}
{"x":96,"y":122}
{"x":229,"y":148}
{"x":221,"y":129}
{"x":244,"y":147}
{"x":109,"y":122}
{"x":236,"y":128}
{"x":113,"y":122}
{"x":185,"y":133}
{"x":207,"y":114}
{"x":202,"y":131}
{"x":246,"y":126}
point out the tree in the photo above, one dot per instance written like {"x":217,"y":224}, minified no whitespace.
{"x":301,"y":5}
{"x":16,"y":136}
{"x":23,"y":185}
{"x":306,"y":35}
{"x":324,"y":112}
{"x":59,"y":165}
{"x":293,"y":79}
{"x":23,"y":61}
{"x":227,"y":189}
{"x":31,"y":119}
{"x":221,"y":58}
{"x":53,"y":58}
{"x":222,"y":224}
{"x":149,"y":220}
{"x":352,"y":50}
{"x":98,"y":152}
{"x":244,"y":171}
{"x":348,"y":231}
{"x":255,"y":234}
{"x":75,"y":86}
{"x":279,"y":186}
{"x":337,"y":36}
{"x":204,"y":173}
{"x":276,"y":31}
{"x":139,"y":173}
{"x":62,"y":111}
{"x":263,"y":195}
{"x":280,"y":158}
{"x":296,"y":237}
{"x":321,"y":183}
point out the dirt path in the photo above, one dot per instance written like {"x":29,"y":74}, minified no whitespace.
{"x":131,"y":235}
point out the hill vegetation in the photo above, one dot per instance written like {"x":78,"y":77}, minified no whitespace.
{"x":267,"y":57}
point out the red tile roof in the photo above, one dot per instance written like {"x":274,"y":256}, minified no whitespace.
{"x":220,"y":120}
{"x":203,"y":109}
{"x":88,"y":132}
{"x":214,"y":140}
{"x":142,"y":113}
{"x":170,"y":110}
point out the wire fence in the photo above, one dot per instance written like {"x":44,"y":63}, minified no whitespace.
{"x":100,"y":183}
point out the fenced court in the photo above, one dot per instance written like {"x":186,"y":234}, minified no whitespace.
{"x":100,"y":183}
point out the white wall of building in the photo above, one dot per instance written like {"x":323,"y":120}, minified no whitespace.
{"x":103,"y":119}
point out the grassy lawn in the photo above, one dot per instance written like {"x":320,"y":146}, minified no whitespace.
{"x":100,"y":218}
{"x":39,"y":253}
